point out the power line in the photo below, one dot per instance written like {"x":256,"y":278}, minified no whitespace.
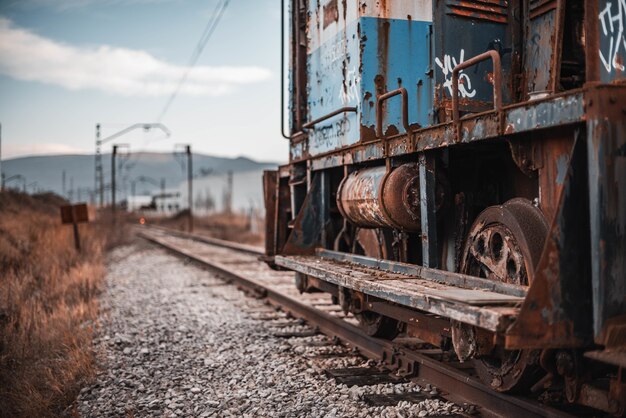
{"x":204,"y":39}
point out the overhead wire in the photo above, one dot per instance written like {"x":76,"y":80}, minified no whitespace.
{"x":218,"y":12}
{"x":208,"y":31}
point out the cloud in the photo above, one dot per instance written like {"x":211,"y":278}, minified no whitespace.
{"x":63,"y":5}
{"x":73,"y":4}
{"x":29,"y":57}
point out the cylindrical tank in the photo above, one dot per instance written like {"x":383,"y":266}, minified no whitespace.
{"x":374,"y":198}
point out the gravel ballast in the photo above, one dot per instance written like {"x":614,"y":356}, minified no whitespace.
{"x":174,"y":340}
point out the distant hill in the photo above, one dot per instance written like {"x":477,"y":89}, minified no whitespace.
{"x":45,"y":173}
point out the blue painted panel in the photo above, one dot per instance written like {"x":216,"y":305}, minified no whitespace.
{"x":333,"y":83}
{"x":396,"y":53}
{"x":367,"y":57}
{"x":462,"y":31}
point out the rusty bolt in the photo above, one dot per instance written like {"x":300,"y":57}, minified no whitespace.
{"x":564,"y":363}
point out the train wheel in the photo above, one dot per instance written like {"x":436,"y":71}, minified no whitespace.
{"x":372,"y":243}
{"x":504,"y":244}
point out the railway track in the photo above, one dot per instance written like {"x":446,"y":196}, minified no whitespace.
{"x":240,"y":265}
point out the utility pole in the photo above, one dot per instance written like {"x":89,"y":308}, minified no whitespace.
{"x":1,"y":173}
{"x":228,"y":196}
{"x":190,"y":186}
{"x":114,"y":164}
{"x":187,"y":150}
{"x":99,"y":184}
{"x":99,"y":175}
{"x":63,"y":190}
{"x":113,"y":181}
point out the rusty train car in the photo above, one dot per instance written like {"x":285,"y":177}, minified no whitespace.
{"x":457,"y":173}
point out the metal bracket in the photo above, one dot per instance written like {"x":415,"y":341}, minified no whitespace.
{"x":405,"y":109}
{"x":428,"y":185}
{"x":497,"y":88}
{"x":328,"y":116}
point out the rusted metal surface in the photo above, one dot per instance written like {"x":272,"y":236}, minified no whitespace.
{"x":465,"y":29}
{"x":376,"y":197}
{"x":497,"y":85}
{"x":329,"y":115}
{"x":309,"y":223}
{"x":435,"y":275}
{"x":277,"y":217}
{"x":77,"y":213}
{"x":596,"y":398}
{"x":516,"y":86}
{"x":606,"y":159}
{"x":298,"y":48}
{"x":552,"y":150}
{"x":416,"y":293}
{"x":557,"y":309}
{"x":491,"y":11}
{"x":427,"y":327}
{"x":546,"y":113}
{"x":358,"y":197}
{"x":270,"y":195}
{"x":430,"y":200}
{"x":610,"y":356}
{"x":379,"y":109}
{"x":542,"y":58}
{"x":505,"y":243}
{"x":611,"y":40}
{"x":356,"y":51}
{"x":559,"y":110}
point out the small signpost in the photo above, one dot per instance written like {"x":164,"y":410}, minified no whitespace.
{"x":75,"y":214}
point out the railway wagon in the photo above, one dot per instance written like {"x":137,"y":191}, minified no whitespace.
{"x":457,"y":173}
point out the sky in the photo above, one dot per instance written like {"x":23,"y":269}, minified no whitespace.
{"x":66,"y":65}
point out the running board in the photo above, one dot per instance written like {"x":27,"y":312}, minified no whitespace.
{"x":466,"y":299}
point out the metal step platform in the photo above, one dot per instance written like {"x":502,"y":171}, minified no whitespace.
{"x":471,"y":300}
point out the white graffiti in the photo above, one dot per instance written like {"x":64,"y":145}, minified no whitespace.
{"x":334,"y":52}
{"x":613,"y":27}
{"x":465,"y":83}
{"x":349,"y":91}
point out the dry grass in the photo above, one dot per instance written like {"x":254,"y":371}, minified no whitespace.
{"x":232,"y":227}
{"x":48,"y":305}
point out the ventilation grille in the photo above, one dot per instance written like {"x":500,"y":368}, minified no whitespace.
{"x":539,"y":7}
{"x":490,"y":10}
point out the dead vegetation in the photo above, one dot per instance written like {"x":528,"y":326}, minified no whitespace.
{"x":48,"y":304}
{"x":242,"y":228}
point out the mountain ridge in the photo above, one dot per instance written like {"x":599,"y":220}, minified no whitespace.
{"x":45,"y":172}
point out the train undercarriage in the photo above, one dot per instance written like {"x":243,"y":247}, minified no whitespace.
{"x":480,"y":245}
{"x":457,"y":173}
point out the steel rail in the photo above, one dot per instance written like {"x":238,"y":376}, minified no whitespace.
{"x":244,"y":248}
{"x":460,"y":386}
